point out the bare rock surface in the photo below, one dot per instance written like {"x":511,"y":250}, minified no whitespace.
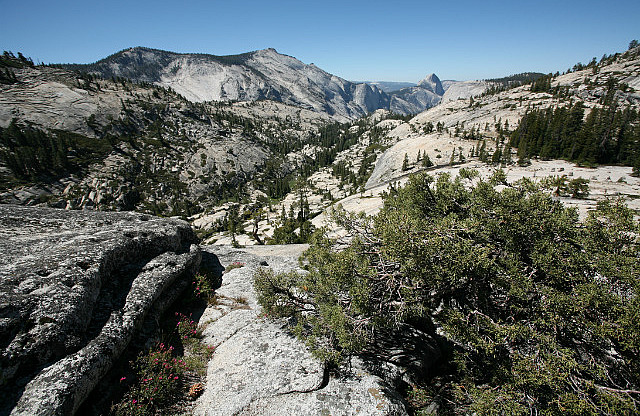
{"x":75,"y":287}
{"x":259,"y":368}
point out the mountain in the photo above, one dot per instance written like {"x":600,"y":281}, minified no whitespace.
{"x":391,"y":86}
{"x":413,"y":100}
{"x":265,"y":75}
{"x":432,"y":83}
{"x":260,"y":75}
{"x":604,"y":96}
{"x":156,"y":151}
{"x":430,"y":92}
{"x":410,"y":98}
{"x":78,"y":141}
{"x":463,"y":89}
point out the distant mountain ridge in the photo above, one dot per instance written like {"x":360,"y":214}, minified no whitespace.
{"x":391,"y":86}
{"x":262,"y":75}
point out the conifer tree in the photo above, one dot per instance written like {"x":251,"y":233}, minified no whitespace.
{"x":426,"y":161}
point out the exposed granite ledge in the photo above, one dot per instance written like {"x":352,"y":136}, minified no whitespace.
{"x":259,"y":368}
{"x":74,"y":288}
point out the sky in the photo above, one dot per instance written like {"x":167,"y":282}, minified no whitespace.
{"x":401,"y":40}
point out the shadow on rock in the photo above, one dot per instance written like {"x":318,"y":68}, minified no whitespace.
{"x":211,"y":265}
{"x":403,"y":355}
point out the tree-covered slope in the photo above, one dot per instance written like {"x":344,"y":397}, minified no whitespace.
{"x":77,"y":141}
{"x":605,"y":93}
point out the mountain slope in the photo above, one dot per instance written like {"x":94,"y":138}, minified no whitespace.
{"x":79,"y":142}
{"x":259,"y":75}
{"x":464,"y":124}
{"x":391,"y":86}
{"x":464,"y":89}
{"x":265,"y":75}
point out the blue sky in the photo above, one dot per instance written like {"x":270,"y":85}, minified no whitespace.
{"x":397,"y":40}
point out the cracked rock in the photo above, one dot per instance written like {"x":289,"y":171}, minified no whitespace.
{"x":75,"y":286}
{"x":259,"y":368}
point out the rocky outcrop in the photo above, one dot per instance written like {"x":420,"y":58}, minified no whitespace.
{"x":412,"y":100}
{"x":259,"y":368}
{"x":464,"y":89}
{"x":432,"y":83}
{"x":75,"y":288}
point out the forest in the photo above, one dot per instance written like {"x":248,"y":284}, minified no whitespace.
{"x":33,"y":154}
{"x":609,"y":134}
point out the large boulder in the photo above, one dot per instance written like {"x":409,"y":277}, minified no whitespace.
{"x":75,"y":287}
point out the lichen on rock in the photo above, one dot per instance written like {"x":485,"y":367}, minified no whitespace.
{"x":75,"y":286}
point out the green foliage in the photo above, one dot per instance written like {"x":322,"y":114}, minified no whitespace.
{"x":286,"y":232}
{"x":608,"y":135}
{"x":516,"y":80}
{"x":30,"y":153}
{"x":562,"y":186}
{"x":405,"y":163}
{"x":8,"y":63}
{"x":426,"y":161}
{"x":579,"y":188}
{"x":203,"y":286}
{"x":330,"y":139}
{"x":234,"y":265}
{"x":344,"y":170}
{"x":540,"y":310}
{"x":542,"y":84}
{"x":187,"y":328}
{"x":9,"y":60}
{"x":159,"y":381}
{"x":498,"y":85}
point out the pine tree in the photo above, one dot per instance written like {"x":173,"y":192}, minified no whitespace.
{"x":482,"y":154}
{"x":497,"y":156}
{"x":405,"y":162}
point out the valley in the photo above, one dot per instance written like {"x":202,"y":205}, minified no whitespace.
{"x":441,"y":211}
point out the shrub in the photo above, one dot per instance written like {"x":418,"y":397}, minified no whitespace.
{"x":160,"y":372}
{"x":234,"y":265}
{"x":159,"y":382}
{"x":203,"y":286}
{"x":540,"y":310}
{"x":187,"y":328}
{"x":576,"y":188}
{"x":579,"y":188}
